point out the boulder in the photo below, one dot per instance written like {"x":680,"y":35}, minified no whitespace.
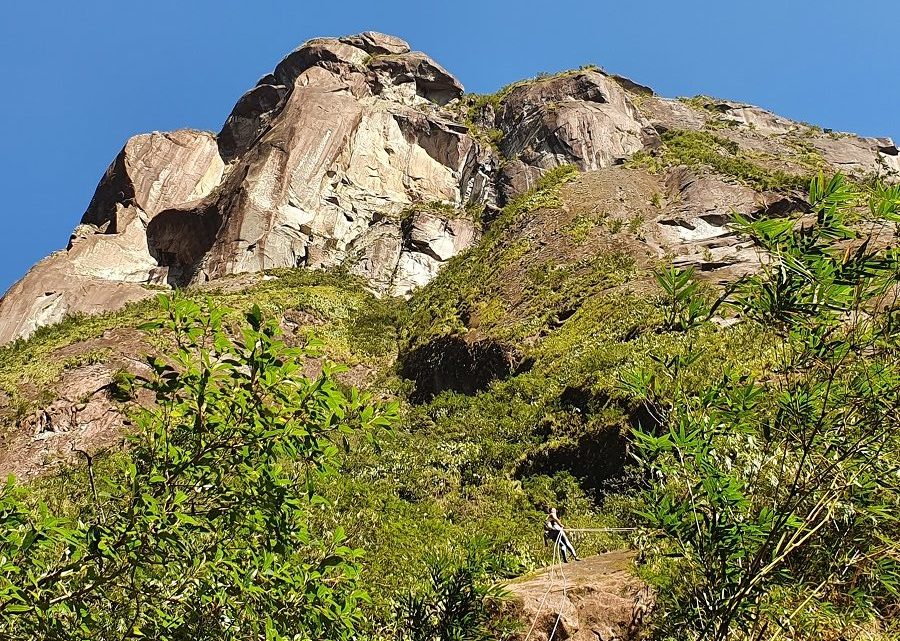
{"x":437,"y":237}
{"x":108,"y":257}
{"x":397,"y":260}
{"x":596,"y":598}
{"x":860,"y":156}
{"x":429,"y":240}
{"x":377,"y":44}
{"x":422,"y":75}
{"x":375,"y":255}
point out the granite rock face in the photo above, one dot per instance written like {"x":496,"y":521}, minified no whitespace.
{"x":583,"y":118}
{"x":154,"y":172}
{"x":322,"y":154}
{"x":108,"y":258}
{"x":327,"y":151}
{"x":399,"y":259}
{"x":695,"y":230}
{"x":358,"y":151}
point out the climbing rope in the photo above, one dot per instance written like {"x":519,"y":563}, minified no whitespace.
{"x":603,"y":530}
{"x":559,"y":614}
{"x":547,"y":593}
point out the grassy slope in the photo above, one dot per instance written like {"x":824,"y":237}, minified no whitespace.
{"x":466,"y":467}
{"x":490,"y":463}
{"x":350,"y":322}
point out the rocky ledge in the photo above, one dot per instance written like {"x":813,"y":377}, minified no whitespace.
{"x":596,"y":598}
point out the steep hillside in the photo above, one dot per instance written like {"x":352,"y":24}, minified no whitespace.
{"x":488,"y":261}
{"x":525,"y":412}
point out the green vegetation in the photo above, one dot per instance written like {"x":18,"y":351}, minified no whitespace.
{"x":438,"y":309}
{"x":477,"y":111}
{"x":454,"y":602}
{"x":353,"y":326}
{"x":28,"y":369}
{"x":700,"y":102}
{"x":805,"y":154}
{"x":774,"y":511}
{"x":495,"y":100}
{"x":795,"y":148}
{"x":202,"y":530}
{"x":472,"y":211}
{"x":718,"y":154}
{"x":580,"y":228}
{"x":765,"y":489}
{"x":682,"y":306}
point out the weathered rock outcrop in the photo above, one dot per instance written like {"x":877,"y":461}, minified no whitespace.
{"x":51,"y":291}
{"x":584,"y":118}
{"x":154,"y":172}
{"x":324,"y":154}
{"x":695,"y":228}
{"x":399,"y":259}
{"x":597,"y":598}
{"x":787,"y":144}
{"x":852,"y":154}
{"x":357,"y":151}
{"x":82,"y":420}
{"x":108,"y":259}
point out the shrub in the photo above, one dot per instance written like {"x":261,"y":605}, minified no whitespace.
{"x":203,"y":530}
{"x":774,"y":491}
{"x":455,"y":602}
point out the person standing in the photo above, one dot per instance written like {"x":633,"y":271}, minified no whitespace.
{"x":554,"y":530}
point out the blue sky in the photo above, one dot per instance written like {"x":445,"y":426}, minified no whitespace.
{"x":79,"y":78}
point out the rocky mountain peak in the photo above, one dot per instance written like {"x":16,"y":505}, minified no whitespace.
{"x":358,"y":151}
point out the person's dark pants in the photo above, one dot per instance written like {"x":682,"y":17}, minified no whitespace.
{"x":562,"y":541}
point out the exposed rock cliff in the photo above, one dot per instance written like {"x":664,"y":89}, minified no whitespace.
{"x":324,"y":161}
{"x":357,"y":151}
{"x":108,"y":259}
{"x":584,"y":118}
